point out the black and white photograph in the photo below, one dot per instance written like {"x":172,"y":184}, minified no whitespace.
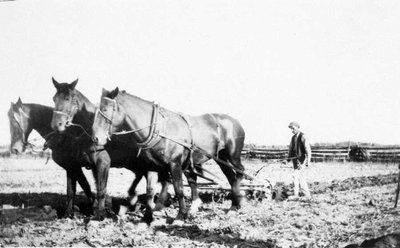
{"x":209,"y":123}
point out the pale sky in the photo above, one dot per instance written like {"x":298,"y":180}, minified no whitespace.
{"x":333,"y":66}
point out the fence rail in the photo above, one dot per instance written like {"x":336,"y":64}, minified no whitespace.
{"x":331,"y":153}
{"x":319,"y":153}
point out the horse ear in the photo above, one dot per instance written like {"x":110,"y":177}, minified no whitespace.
{"x":114,"y":93}
{"x":19,"y":102}
{"x":73,"y":84}
{"x":84,"y":109}
{"x":55,"y":83}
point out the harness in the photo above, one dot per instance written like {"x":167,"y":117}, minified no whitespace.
{"x":20,"y":124}
{"x":191,"y":164}
{"x":71,"y":112}
{"x":154,"y":135}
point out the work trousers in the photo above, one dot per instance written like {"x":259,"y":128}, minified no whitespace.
{"x":299,"y":183}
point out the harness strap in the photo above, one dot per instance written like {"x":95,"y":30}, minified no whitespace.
{"x":191,"y":140}
{"x":153,"y":137}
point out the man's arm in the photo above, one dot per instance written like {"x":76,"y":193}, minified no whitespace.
{"x":307,"y":146}
{"x":290,"y":150}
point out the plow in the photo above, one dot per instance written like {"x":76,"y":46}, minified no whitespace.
{"x":253,"y":187}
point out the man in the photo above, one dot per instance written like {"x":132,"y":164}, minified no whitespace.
{"x":300,"y":154}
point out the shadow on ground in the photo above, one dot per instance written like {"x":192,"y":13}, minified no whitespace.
{"x":223,"y":236}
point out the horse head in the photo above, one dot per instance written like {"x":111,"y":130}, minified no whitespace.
{"x":20,"y":126}
{"x":66,"y":105}
{"x":109,"y":117}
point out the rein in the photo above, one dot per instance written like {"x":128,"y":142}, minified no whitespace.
{"x":80,"y":126}
{"x":149,"y":142}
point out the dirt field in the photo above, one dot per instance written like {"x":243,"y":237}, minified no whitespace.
{"x":351,"y":202}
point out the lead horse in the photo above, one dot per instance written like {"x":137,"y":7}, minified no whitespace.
{"x":65,"y":149}
{"x":171,"y":140}
{"x":74,"y":113}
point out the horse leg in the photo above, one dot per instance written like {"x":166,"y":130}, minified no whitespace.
{"x":152,"y":179}
{"x":84,"y":185}
{"x":133,"y":196}
{"x":196,"y":201}
{"x":234,"y":179}
{"x":176,"y":172}
{"x":71,"y":190}
{"x":237,"y":194}
{"x":165,"y":180}
{"x":100,"y":173}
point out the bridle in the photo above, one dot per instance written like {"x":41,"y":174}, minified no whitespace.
{"x":20,"y":124}
{"x":70,"y":115}
{"x":149,"y":142}
{"x":109,"y":120}
{"x":74,"y":106}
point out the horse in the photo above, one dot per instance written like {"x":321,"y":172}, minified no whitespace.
{"x":74,"y":113}
{"x":176,"y":141}
{"x":65,"y":151}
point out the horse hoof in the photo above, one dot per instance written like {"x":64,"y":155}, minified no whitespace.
{"x":68,"y":215}
{"x":97,"y":218}
{"x":235,"y":208}
{"x":148,"y":219}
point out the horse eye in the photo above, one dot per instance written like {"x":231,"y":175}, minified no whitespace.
{"x":104,"y":110}
{"x":67,"y":98}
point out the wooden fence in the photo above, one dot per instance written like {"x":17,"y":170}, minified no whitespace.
{"x":319,"y":153}
{"x":331,"y":153}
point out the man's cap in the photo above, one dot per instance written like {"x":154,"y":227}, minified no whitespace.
{"x":294,"y":124}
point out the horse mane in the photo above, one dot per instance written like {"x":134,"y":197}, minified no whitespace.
{"x":85,"y":101}
{"x":125,"y":93}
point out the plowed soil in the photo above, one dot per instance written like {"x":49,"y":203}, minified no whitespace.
{"x":350,"y":203}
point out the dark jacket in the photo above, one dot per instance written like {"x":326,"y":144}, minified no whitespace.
{"x":300,"y":149}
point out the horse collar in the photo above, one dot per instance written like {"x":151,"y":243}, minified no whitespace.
{"x":151,"y":140}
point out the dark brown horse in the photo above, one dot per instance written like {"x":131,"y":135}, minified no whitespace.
{"x":74,"y":113}
{"x":169,"y":139}
{"x":65,"y":149}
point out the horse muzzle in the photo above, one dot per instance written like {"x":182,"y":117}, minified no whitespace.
{"x":100,"y":141}
{"x":17,"y":148}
